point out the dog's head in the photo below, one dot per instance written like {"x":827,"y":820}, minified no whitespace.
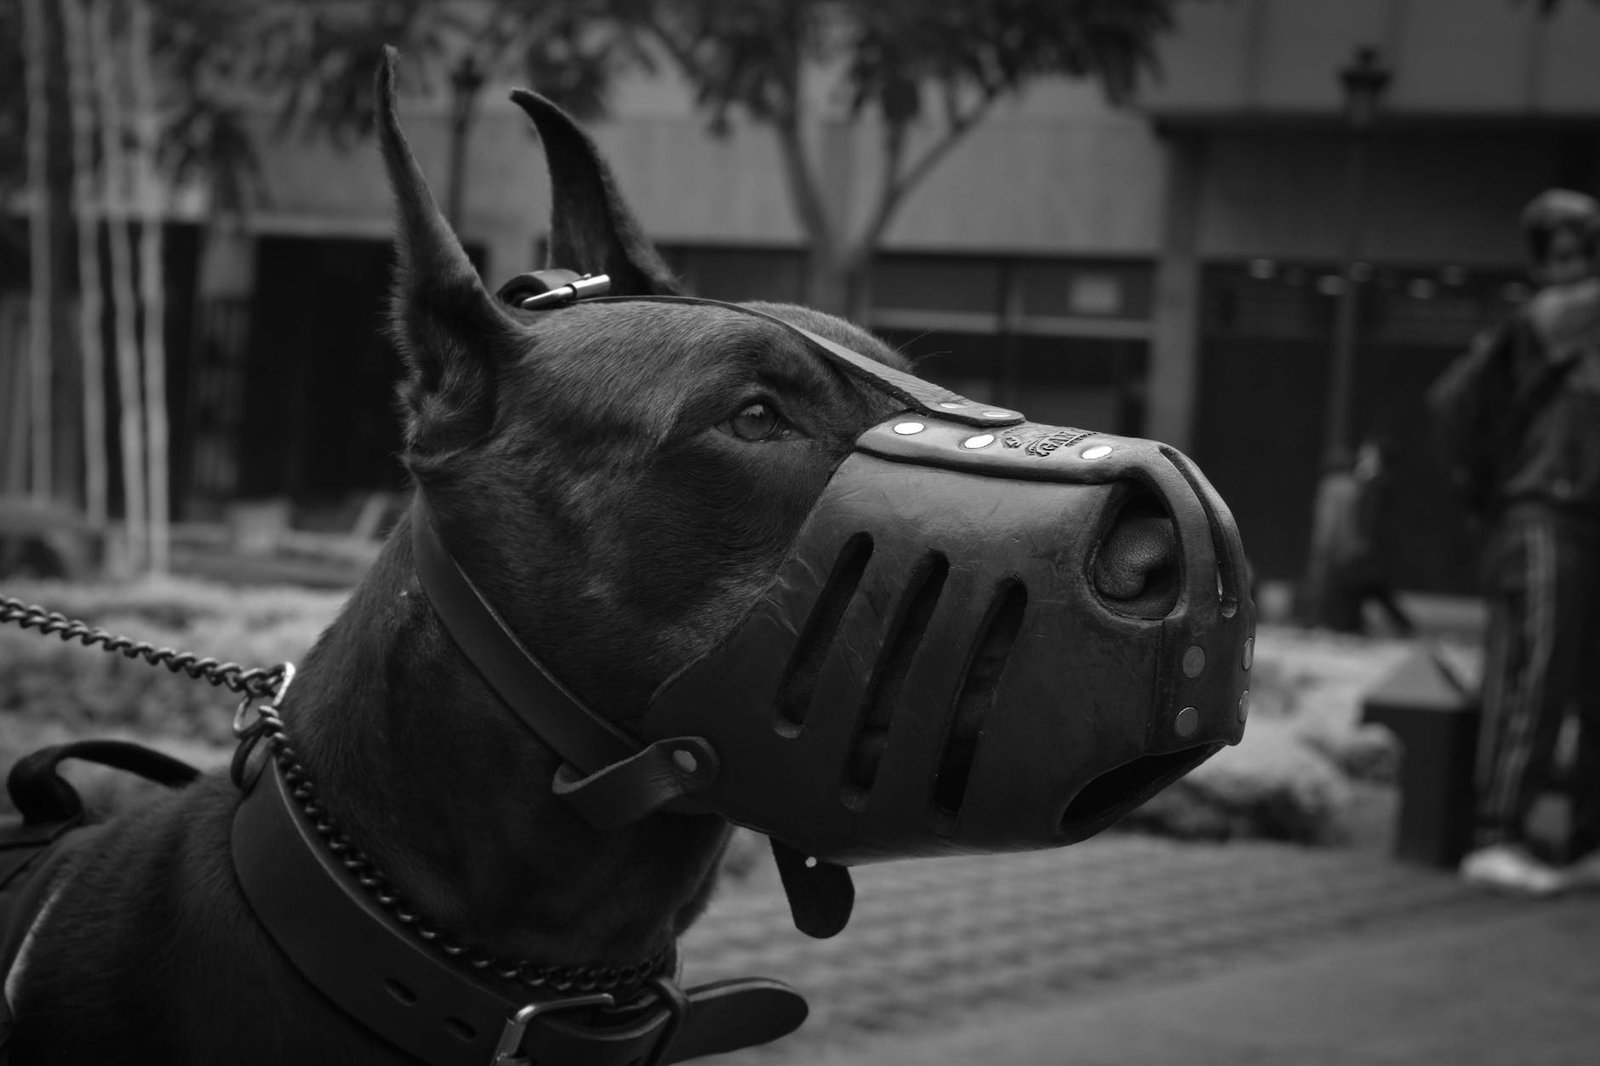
{"x":623,"y":479}
{"x":718,"y":522}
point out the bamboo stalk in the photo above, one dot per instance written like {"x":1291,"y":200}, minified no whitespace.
{"x":113,"y":160}
{"x":91,"y":300}
{"x":151,"y":284}
{"x":40,"y":295}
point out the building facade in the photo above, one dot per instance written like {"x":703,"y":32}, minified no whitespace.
{"x":1170,"y":269}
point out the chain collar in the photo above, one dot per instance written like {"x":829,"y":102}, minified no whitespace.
{"x":385,"y":964}
{"x":563,"y":980}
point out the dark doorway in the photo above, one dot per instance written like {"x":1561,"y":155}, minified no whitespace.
{"x":1264,"y":362}
{"x":320,"y":421}
{"x":319,"y":417}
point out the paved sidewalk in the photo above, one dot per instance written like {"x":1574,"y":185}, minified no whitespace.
{"x":1135,"y":950}
{"x":1512,"y":989}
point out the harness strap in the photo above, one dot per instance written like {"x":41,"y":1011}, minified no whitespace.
{"x":372,"y":968}
{"x":42,"y":795}
{"x":50,"y":832}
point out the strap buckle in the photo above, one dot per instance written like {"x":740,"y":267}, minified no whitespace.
{"x":677,"y":1005}
{"x":508,"y":1052}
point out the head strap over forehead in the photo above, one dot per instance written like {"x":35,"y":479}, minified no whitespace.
{"x":543,"y":290}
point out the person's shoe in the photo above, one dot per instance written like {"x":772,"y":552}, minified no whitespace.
{"x":1509,"y":868}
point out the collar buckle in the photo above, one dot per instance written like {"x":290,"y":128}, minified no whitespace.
{"x":508,"y":1052}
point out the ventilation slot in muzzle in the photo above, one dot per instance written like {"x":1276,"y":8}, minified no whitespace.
{"x":889,"y":675}
{"x":822,"y":626}
{"x":976,"y":696}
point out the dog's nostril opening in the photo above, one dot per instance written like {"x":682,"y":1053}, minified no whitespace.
{"x":1136,"y":567}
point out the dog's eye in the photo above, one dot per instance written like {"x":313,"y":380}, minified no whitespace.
{"x":756,"y":422}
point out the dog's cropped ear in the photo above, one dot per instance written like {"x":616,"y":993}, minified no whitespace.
{"x":592,"y":229}
{"x":452,"y":332}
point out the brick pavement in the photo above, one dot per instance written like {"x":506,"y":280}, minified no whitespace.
{"x":942,"y":943}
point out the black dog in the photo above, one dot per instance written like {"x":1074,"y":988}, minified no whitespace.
{"x":624,"y":479}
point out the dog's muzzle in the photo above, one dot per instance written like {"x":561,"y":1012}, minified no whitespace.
{"x":989,"y":635}
{"x":948,"y":660}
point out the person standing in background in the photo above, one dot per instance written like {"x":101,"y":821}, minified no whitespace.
{"x":1348,"y":568}
{"x":1519,"y":420}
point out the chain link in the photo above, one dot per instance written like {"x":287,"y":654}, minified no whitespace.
{"x":258,"y":683}
{"x":268,"y":728}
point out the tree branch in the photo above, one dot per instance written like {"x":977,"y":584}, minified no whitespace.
{"x":680,"y":52}
{"x":898,"y":183}
{"x":804,"y":186}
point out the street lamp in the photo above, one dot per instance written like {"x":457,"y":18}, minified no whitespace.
{"x":1326,"y":593}
{"x":1364,"y":81}
{"x":466,"y":81}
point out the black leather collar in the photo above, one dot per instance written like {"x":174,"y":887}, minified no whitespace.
{"x":378,"y":972}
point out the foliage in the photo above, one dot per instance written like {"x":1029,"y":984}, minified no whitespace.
{"x":935,"y":69}
{"x":316,"y":60}
{"x":1273,"y":786}
{"x":204,"y":52}
{"x":320,"y":57}
{"x":897,"y":54}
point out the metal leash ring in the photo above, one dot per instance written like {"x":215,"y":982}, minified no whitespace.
{"x":241,"y":722}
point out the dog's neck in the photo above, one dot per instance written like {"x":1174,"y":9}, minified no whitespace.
{"x":449,"y":793}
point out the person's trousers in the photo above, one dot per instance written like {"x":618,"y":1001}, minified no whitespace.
{"x":1542,"y":658}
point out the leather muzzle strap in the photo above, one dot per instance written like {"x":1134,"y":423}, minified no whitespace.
{"x":373,"y":969}
{"x":609,"y":778}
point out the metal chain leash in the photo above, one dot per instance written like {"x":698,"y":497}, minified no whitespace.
{"x":252,"y":684}
{"x":268,"y":727}
{"x":259,"y":684}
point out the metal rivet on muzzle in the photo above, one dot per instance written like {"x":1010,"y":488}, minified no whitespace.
{"x":1187,"y":722}
{"x":948,"y":406}
{"x":1194,"y":661}
{"x":982,"y":440}
{"x":1099,"y":451}
{"x":1244,"y":706}
{"x":685,"y":761}
{"x":1000,"y":414}
{"x":905,"y":429}
{"x":1248,"y":658}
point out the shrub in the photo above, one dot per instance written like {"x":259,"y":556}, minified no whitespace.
{"x":1271,"y":786}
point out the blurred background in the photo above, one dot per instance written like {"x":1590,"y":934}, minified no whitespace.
{"x":1226,"y":224}
{"x":1254,"y":229}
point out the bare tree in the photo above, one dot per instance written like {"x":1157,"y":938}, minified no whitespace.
{"x":324,"y":54}
{"x":42,"y":277}
{"x":91,"y":301}
{"x":114,"y":162}
{"x":152,"y":288}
